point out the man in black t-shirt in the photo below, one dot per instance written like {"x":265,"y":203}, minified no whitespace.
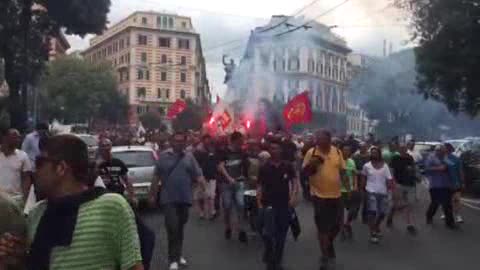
{"x":234,"y":170}
{"x":114,"y":172}
{"x":276,"y":195}
{"x":207,"y":158}
{"x":403,"y":166}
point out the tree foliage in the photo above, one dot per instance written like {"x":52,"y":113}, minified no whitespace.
{"x":24,"y":39}
{"x":448,"y":59}
{"x":76,"y":91}
{"x":190,"y":119}
{"x":152,"y":120}
{"x":388,"y":92}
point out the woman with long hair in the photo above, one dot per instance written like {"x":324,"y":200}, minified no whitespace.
{"x":378,"y":179}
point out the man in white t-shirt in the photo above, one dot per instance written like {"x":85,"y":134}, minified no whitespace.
{"x":15,"y":167}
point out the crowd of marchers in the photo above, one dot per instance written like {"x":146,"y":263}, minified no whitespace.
{"x":61,"y":210}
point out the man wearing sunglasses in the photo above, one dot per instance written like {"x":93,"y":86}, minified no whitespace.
{"x":77,"y":227}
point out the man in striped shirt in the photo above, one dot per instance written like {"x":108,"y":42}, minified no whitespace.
{"x":77,"y":227}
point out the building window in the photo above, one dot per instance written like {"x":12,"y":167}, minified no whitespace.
{"x":144,"y":20}
{"x":128,"y":58}
{"x":164,"y":42}
{"x":183,"y":60}
{"x":140,"y":74}
{"x":142,"y":39}
{"x":167,"y":93}
{"x":183,"y":77}
{"x":274,"y":65}
{"x":121,"y":59}
{"x":159,"y":93}
{"x":115,"y":47}
{"x":184,"y":25}
{"x":163,"y":76}
{"x":128,"y":41}
{"x":182,"y":94}
{"x":311,"y":65}
{"x":147,"y":75}
{"x":183,"y":43}
{"x":284,"y":65}
{"x":163,"y":59}
{"x":165,"y":21}
{"x":104,"y":52}
{"x":170,"y":22}
{"x":144,"y":57}
{"x":159,"y":21}
{"x":141,"y":92}
{"x":294,"y":64}
{"x":109,"y":50}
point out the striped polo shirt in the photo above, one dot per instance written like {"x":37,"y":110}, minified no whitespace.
{"x":105,"y":236}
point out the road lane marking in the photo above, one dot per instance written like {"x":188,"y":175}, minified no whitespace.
{"x":471,"y":201}
{"x":471,"y":206}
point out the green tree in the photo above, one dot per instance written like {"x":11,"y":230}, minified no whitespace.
{"x":77,"y":91}
{"x":24,"y":42}
{"x":448,"y":60}
{"x":191,"y":118}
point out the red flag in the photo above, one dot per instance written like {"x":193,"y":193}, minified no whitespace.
{"x":298,"y":110}
{"x":176,"y":108}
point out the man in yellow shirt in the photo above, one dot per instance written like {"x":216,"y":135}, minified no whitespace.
{"x":324,"y":164}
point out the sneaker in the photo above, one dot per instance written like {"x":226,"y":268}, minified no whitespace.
{"x":173,"y":266}
{"x":214,"y":216}
{"x":242,"y":237}
{"x":183,"y":262}
{"x":459,"y":219}
{"x":374,"y":239}
{"x":412,"y":230}
{"x":228,"y":234}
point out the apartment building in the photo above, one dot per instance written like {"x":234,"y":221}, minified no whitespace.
{"x":157,"y":58}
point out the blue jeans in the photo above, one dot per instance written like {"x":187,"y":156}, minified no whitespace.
{"x":233,"y":199}
{"x":276,"y":222}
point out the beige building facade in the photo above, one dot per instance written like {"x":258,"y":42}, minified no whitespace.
{"x":157,"y":58}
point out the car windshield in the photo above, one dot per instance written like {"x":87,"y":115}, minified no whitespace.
{"x":134,"y":159}
{"x":89,"y":140}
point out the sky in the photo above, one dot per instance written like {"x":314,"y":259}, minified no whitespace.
{"x":364,"y":24}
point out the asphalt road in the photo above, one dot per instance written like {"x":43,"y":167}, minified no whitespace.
{"x":434,"y":248}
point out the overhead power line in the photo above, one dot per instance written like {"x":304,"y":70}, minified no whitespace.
{"x":305,"y":25}
{"x":288,"y":17}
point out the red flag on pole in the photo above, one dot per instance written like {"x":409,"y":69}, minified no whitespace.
{"x":298,"y":110}
{"x":176,"y":108}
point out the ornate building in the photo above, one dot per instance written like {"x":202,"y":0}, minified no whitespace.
{"x":279,"y":64}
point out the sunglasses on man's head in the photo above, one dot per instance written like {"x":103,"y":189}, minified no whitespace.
{"x":42,"y":160}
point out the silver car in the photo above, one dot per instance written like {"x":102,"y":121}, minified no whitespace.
{"x":140,"y":161}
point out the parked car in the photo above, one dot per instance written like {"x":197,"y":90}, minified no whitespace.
{"x":471,"y":164}
{"x":140,"y":161}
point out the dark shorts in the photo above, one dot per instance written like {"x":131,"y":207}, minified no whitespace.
{"x":352,"y":203}
{"x":328,"y":214}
